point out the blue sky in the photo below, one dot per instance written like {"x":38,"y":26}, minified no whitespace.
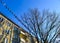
{"x":21,"y":6}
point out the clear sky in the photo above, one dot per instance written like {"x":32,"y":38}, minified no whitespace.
{"x":21,"y":6}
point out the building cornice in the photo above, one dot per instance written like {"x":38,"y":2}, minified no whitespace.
{"x":13,"y":22}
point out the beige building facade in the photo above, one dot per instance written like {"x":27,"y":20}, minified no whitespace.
{"x":12,"y":33}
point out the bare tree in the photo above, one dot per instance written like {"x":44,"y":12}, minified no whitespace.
{"x":40,"y":25}
{"x":53,"y":39}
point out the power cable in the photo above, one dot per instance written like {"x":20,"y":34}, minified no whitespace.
{"x":4,"y":4}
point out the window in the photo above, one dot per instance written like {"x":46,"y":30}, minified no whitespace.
{"x":9,"y":24}
{"x":15,"y":36}
{"x":0,"y":25}
{"x":16,"y":39}
{"x":16,"y":31}
{"x":7,"y":31}
{"x":1,"y":19}
{"x":15,"y":28}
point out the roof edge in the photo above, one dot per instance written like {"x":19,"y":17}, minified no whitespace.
{"x":12,"y":22}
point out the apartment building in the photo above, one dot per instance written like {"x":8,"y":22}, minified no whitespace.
{"x":11,"y":32}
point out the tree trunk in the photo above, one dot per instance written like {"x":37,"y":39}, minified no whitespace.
{"x":32,"y":40}
{"x":37,"y":40}
{"x":45,"y":41}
